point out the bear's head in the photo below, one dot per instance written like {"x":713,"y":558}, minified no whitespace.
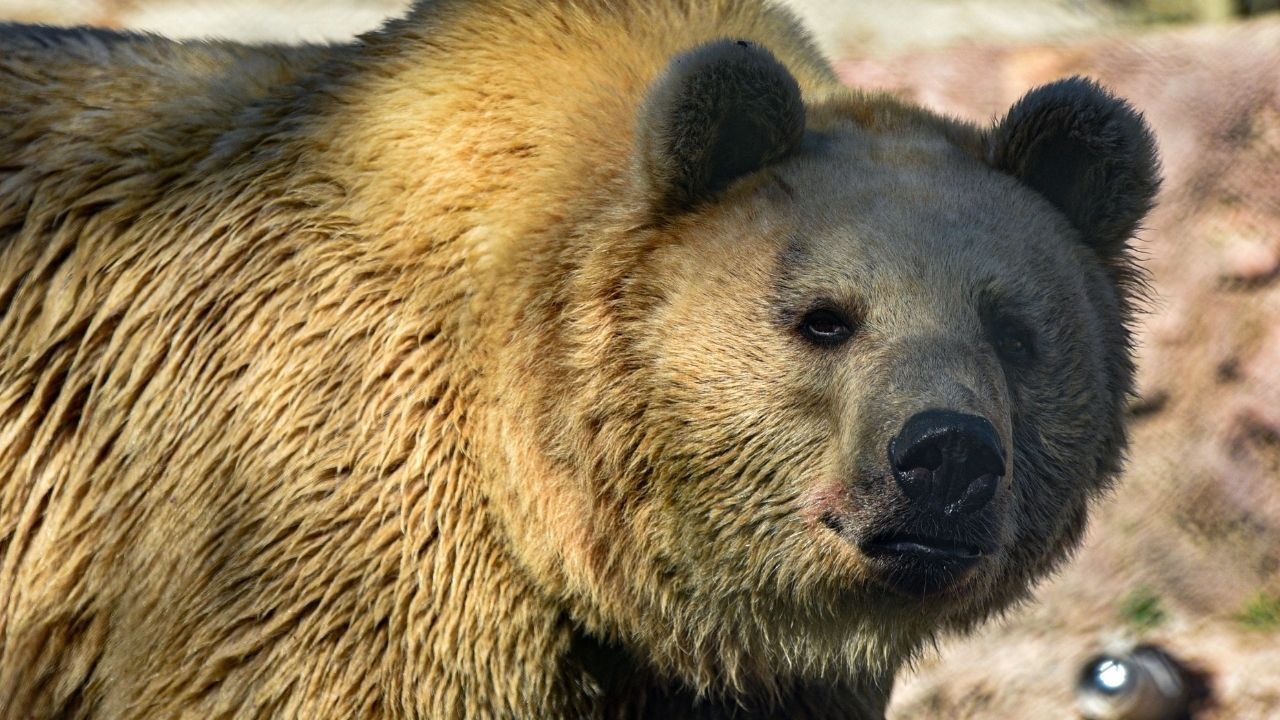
{"x":833,"y":375}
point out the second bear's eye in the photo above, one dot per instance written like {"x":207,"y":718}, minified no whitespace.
{"x":825,"y":327}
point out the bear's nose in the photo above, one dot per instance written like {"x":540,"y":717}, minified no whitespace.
{"x":947,"y":461}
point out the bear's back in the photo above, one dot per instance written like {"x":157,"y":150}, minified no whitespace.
{"x":86,"y":108}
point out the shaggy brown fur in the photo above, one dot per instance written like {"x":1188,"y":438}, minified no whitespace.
{"x":454,"y":372}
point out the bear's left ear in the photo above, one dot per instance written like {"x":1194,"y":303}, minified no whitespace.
{"x":720,"y":111}
{"x":1087,"y":152}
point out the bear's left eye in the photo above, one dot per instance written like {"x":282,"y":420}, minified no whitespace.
{"x":825,"y":327}
{"x":1014,"y":342}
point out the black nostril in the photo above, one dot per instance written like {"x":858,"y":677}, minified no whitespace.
{"x":948,"y":461}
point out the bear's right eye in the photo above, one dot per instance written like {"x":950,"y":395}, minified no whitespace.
{"x":825,"y":327}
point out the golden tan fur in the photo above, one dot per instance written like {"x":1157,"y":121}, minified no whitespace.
{"x":327,"y":383}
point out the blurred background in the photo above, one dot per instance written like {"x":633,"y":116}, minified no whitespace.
{"x":1186,"y":553}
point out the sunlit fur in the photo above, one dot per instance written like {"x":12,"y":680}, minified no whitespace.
{"x":360,"y":381}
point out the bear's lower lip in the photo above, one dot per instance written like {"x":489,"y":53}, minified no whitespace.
{"x":924,"y":547}
{"x":918,"y":565}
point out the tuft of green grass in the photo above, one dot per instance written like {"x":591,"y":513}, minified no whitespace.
{"x":1142,"y":609}
{"x":1261,"y":613}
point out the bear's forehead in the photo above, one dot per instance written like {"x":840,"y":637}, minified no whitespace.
{"x":865,"y":202}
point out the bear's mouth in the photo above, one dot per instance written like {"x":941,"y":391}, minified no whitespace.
{"x":934,"y":549}
{"x":919,"y":565}
{"x":917,"y":556}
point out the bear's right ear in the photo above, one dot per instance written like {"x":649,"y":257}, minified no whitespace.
{"x":1087,"y":152}
{"x":720,"y":111}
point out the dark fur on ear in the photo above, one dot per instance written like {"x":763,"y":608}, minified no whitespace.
{"x":1086,"y":151}
{"x":719,"y":112}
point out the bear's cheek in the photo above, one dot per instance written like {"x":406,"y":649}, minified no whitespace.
{"x":830,"y":518}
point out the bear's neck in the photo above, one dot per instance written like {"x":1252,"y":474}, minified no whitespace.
{"x":628,"y":689}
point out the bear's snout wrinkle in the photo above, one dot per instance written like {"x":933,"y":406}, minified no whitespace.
{"x":947,"y":462}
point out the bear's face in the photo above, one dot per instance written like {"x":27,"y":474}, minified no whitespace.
{"x":882,"y":293}
{"x":869,"y":374}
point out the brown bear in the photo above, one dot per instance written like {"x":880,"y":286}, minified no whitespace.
{"x":536,"y":360}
